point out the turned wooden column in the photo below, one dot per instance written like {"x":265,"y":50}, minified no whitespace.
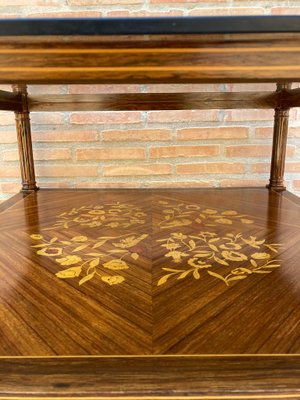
{"x":24,"y":141}
{"x":281,"y":121}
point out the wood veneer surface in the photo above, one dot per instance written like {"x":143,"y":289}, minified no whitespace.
{"x":150,"y":294}
{"x":106,"y":273}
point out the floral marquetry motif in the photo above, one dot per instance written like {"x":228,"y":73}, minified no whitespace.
{"x":105,"y":257}
{"x":227,"y":258}
{"x":175,"y":215}
{"x":114,"y":215}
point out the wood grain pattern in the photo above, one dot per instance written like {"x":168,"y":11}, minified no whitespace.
{"x":133,"y":337}
{"x":158,"y":59}
{"x":197,"y":377}
{"x":153,"y":101}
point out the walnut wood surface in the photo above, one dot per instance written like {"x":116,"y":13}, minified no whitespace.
{"x":130,"y":332}
{"x":158,"y":59}
{"x":153,"y":101}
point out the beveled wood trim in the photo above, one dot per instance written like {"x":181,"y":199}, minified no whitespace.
{"x":153,"y":101}
{"x":214,"y":377}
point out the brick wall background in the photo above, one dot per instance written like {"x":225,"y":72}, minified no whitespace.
{"x":154,"y":149}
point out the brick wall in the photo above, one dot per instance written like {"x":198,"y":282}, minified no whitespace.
{"x":154,"y":149}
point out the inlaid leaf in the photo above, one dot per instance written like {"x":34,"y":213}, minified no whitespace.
{"x":192,"y":244}
{"x":184,"y":274}
{"x":173,"y":270}
{"x":65,"y":242}
{"x":216,"y":275}
{"x":95,"y":262}
{"x":87,"y":278}
{"x":53,"y":240}
{"x":163,"y":279}
{"x":79,"y":248}
{"x":213,"y":247}
{"x":95,"y":254}
{"x":196,"y":274}
{"x":236,"y":278}
{"x":99,"y":244}
{"x":220,"y":261}
{"x":254,"y":263}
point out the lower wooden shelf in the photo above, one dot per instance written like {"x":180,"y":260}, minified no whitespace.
{"x":150,"y":294}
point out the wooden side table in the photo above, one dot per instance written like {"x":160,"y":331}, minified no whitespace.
{"x":150,"y":294}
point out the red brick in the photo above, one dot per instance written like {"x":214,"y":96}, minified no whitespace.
{"x":40,"y":118}
{"x":226,"y":11}
{"x":28,"y":3}
{"x":7,"y":187}
{"x":107,"y":117}
{"x":145,"y":13}
{"x":181,"y":185}
{"x":285,"y":10}
{"x":87,"y":3}
{"x":184,"y":151}
{"x":137,"y":135}
{"x":65,"y":136}
{"x":182,"y":116}
{"x":40,"y":154}
{"x":182,"y":88}
{"x":66,"y":170}
{"x":10,"y":172}
{"x":261,"y":168}
{"x":212,"y":133}
{"x":296,"y":184}
{"x":107,"y":185}
{"x":243,"y":182}
{"x":98,"y":89}
{"x":111,"y":153}
{"x":211,"y":168}
{"x":44,"y":89}
{"x":264,"y":132}
{"x":249,"y":115}
{"x":138,"y":170}
{"x":7,"y":118}
{"x":54,"y":185}
{"x":8,"y":137}
{"x":294,"y":132}
{"x":69,"y":14}
{"x":254,"y":151}
{"x":250,"y":87}
{"x":254,"y":115}
{"x":248,"y":151}
{"x":292,"y":167}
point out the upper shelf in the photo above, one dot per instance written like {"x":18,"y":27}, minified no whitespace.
{"x":150,"y":50}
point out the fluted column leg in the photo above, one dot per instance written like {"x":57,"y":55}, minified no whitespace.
{"x":25,"y":142}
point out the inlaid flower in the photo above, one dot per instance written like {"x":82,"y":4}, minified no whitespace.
{"x":113,"y":280}
{"x":230,"y":246}
{"x":253,"y":242}
{"x":79,"y":239}
{"x":115,"y":265}
{"x":234,"y":256}
{"x":69,"y":260}
{"x":260,"y":256}
{"x":195,"y":262}
{"x":130,"y":241}
{"x":178,"y":235}
{"x":224,"y":221}
{"x":96,"y":212}
{"x":50,"y":251}
{"x":210,"y":211}
{"x":36,"y":237}
{"x":176,"y":255}
{"x":69,"y":273}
